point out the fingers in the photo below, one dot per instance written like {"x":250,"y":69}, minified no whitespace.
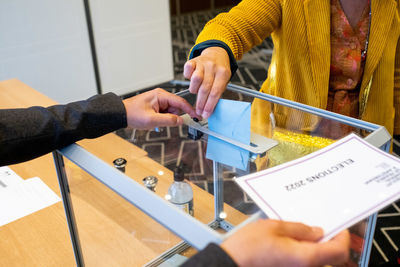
{"x":196,"y":79}
{"x":213,"y":84}
{"x":204,"y":90}
{"x":172,"y":102}
{"x":164,"y":119}
{"x":209,"y":74}
{"x":221,"y":80}
{"x":334,"y":251}
{"x":189,"y":68}
{"x":143,"y":110}
{"x":299,"y":231}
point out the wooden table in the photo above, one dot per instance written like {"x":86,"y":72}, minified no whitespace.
{"x":112,"y":232}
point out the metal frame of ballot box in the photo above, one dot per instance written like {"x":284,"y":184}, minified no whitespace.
{"x":193,"y":232}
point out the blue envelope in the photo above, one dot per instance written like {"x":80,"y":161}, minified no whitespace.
{"x":230,"y":119}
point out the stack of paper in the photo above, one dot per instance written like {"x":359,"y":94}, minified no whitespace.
{"x":19,"y":198}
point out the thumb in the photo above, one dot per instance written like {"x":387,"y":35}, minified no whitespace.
{"x":189,"y":68}
{"x":335,"y":251}
{"x":166,"y":119}
{"x":301,"y":231}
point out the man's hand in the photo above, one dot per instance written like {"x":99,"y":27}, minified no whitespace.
{"x":279,"y":243}
{"x":156,"y":108}
{"x":209,"y":74}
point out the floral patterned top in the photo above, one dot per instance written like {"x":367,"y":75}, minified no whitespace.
{"x":347,"y":44}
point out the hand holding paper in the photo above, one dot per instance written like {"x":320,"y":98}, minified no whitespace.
{"x":333,"y":188}
{"x":286,"y":244}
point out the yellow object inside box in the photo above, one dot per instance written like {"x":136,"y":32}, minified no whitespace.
{"x":294,"y":145}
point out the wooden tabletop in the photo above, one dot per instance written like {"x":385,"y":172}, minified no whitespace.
{"x":112,"y":232}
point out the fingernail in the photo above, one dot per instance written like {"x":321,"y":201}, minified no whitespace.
{"x":198,"y":112}
{"x":205,"y":114}
{"x":318,"y":230}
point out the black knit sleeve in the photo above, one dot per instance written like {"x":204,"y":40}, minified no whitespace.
{"x":197,"y":49}
{"x":211,"y":256}
{"x":32,"y":132}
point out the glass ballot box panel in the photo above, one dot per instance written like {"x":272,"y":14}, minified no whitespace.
{"x":123,"y":198}
{"x":110,"y":231}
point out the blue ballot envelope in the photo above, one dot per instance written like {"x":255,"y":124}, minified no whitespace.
{"x":230,"y":119}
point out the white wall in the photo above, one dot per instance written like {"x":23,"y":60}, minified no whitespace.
{"x":45,"y":44}
{"x":133,"y":43}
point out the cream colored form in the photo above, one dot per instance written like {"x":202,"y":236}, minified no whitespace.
{"x":112,"y":232}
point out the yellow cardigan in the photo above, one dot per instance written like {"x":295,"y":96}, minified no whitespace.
{"x":300,"y":64}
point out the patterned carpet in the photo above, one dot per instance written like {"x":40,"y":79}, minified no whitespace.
{"x":164,"y":146}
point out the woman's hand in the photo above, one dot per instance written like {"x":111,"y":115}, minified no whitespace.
{"x":209,"y":74}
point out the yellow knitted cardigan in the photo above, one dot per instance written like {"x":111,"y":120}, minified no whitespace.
{"x":300,"y":64}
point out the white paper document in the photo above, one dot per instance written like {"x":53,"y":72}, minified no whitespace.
{"x":333,"y":188}
{"x":8,"y":177}
{"x":21,"y":199}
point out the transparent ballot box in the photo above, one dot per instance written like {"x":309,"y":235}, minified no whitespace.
{"x":116,"y":188}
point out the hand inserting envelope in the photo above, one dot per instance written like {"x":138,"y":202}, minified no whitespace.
{"x":231,"y":119}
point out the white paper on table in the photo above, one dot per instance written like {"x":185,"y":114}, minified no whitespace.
{"x":8,"y":177}
{"x":21,"y":199}
{"x":333,"y":188}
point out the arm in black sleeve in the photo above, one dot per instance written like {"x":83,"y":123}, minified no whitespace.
{"x":32,"y":132}
{"x":211,"y":256}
